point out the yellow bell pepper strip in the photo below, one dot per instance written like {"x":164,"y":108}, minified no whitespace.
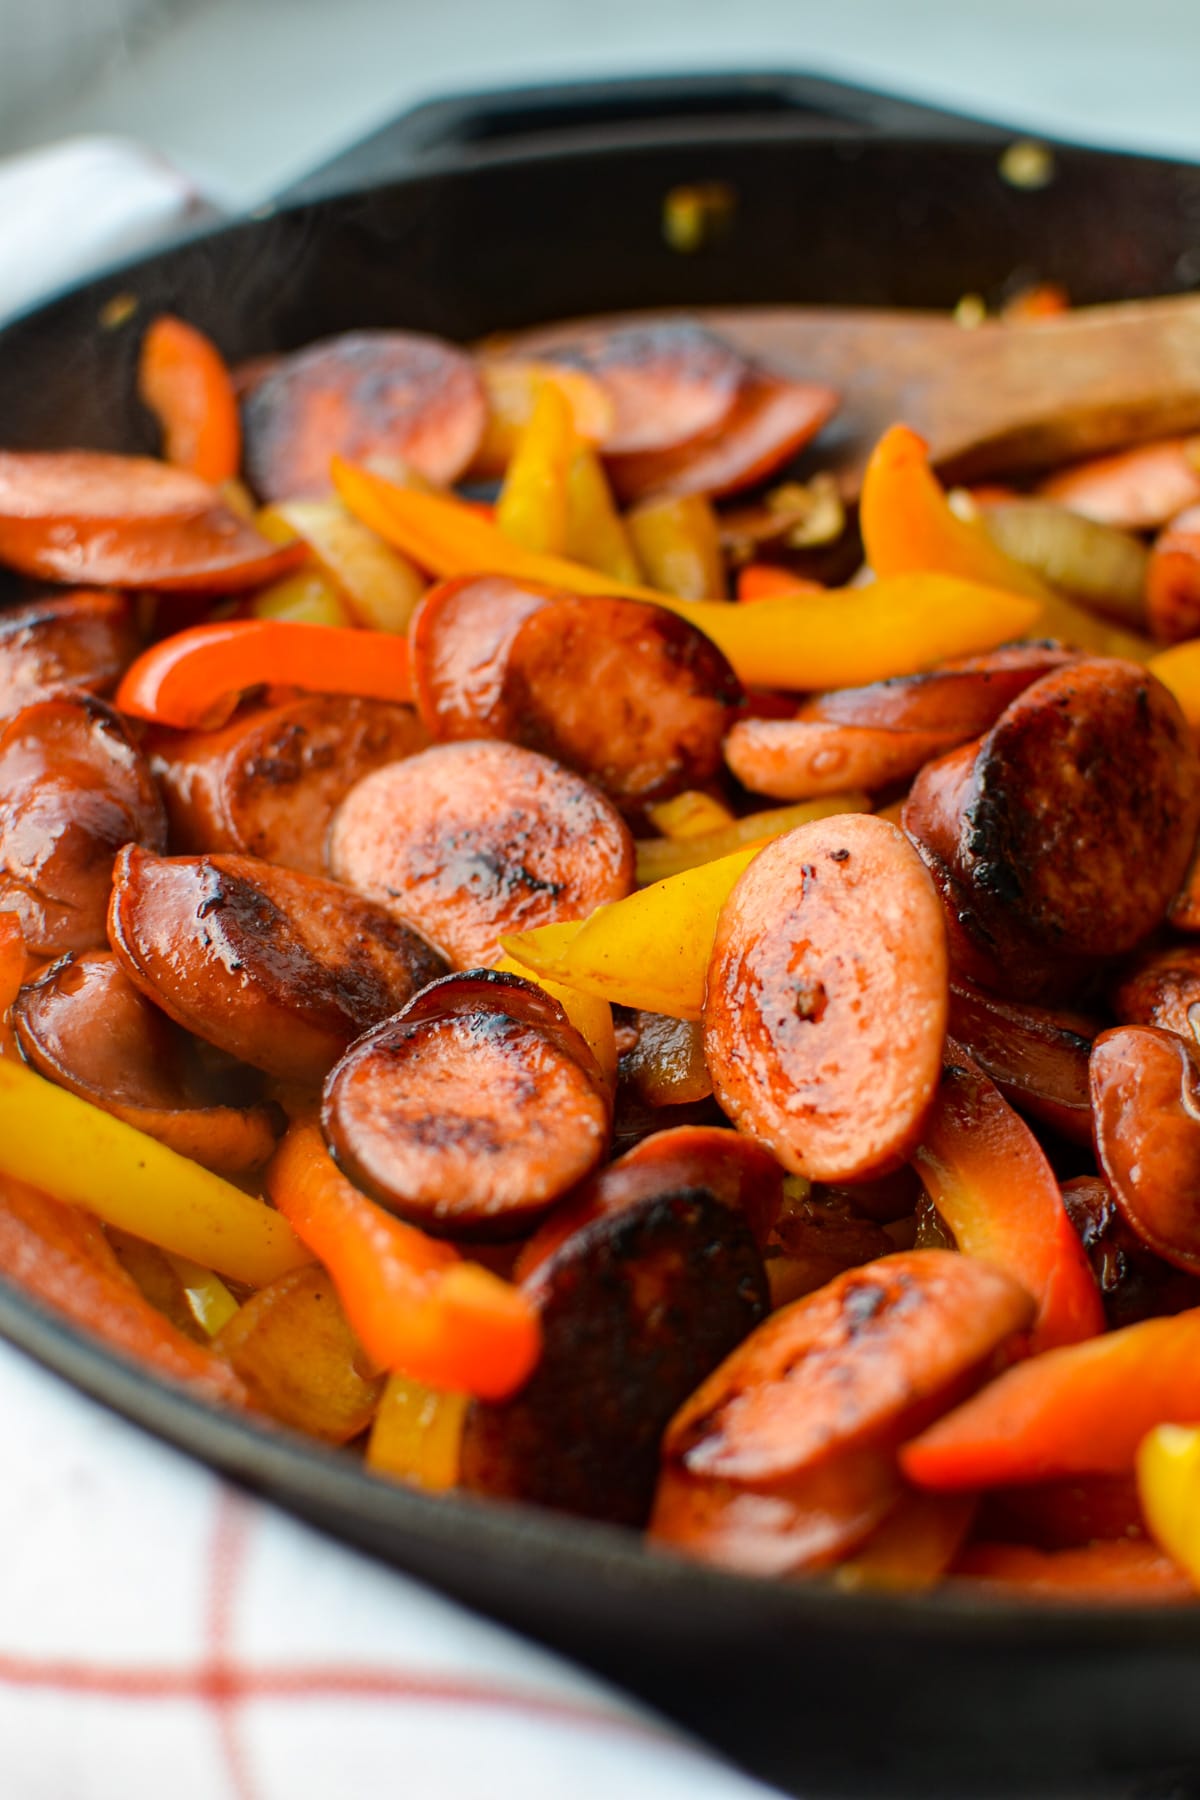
{"x":532,"y":507}
{"x":417,"y":1434}
{"x":596,"y":534}
{"x":57,"y":1142}
{"x":1179,"y":669}
{"x":678,"y":543}
{"x":842,"y":637}
{"x":209,"y":1301}
{"x":512,"y":386}
{"x":690,"y":814}
{"x":591,"y":1016}
{"x":380,"y":587}
{"x":306,"y":598}
{"x":908,"y":525}
{"x":194,"y":679}
{"x":658,"y":858}
{"x":649,"y":951}
{"x":418,"y":1309}
{"x":1168,"y":1478}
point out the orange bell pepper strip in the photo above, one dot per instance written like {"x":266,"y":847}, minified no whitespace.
{"x":1123,"y":1571}
{"x":985,"y":1172}
{"x":185,"y":384}
{"x":1082,"y":1410}
{"x":766,"y":581}
{"x":837,"y":638}
{"x":195,"y":678}
{"x":418,"y":1309}
{"x":1179,"y":669}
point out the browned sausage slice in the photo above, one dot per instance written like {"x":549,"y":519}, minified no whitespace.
{"x":635,"y":1309}
{"x":669,"y":381}
{"x":1163,"y":988}
{"x":1146,"y":1104}
{"x":825,"y":1012}
{"x":268,"y":784}
{"x":76,"y":640}
{"x":279,"y":969}
{"x":1078,"y":816}
{"x":771,"y":421}
{"x":473,"y":1110}
{"x":961,"y":698}
{"x":460,"y":637}
{"x":1038,"y":1059}
{"x":798,"y":759}
{"x":365,"y":394}
{"x":474,"y":840}
{"x":1134,"y":1283}
{"x":73,"y":789}
{"x":85,"y":1026}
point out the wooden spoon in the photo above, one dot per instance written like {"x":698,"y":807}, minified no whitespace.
{"x":990,"y":399}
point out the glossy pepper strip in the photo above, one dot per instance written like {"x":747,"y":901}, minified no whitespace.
{"x":194,"y":678}
{"x":839,"y":638}
{"x":418,"y":1309}
{"x":1082,"y":1410}
{"x":1168,"y":1476}
{"x":1179,"y":669}
{"x":533,"y":503}
{"x":69,"y":1148}
{"x":985,"y":1172}
{"x":184,"y":382}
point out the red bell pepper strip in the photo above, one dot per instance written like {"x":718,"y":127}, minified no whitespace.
{"x":418,"y":1309}
{"x":985,"y":1172}
{"x":1082,"y":1410}
{"x":194,"y":678}
{"x":185,"y":384}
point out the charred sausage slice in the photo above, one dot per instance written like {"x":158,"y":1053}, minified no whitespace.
{"x":460,"y":637}
{"x":670,"y":381}
{"x":279,"y":969}
{"x":76,"y":640}
{"x":1146,"y":1104}
{"x":635,"y":1309}
{"x":268,"y":784}
{"x":471,"y":841}
{"x":1162,"y":989}
{"x":83,"y":1024}
{"x":471,"y":1112}
{"x":73,"y":789}
{"x":365,"y":394}
{"x":825,"y":1011}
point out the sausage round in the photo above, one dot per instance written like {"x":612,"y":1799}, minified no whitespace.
{"x":268,"y":784}
{"x":825,"y":1010}
{"x":75,"y":640}
{"x":1146,"y":1105}
{"x":281,"y":970}
{"x":1038,"y":1059}
{"x":364,"y":394}
{"x":635,"y":1309}
{"x":1162,"y":989}
{"x":669,"y":381}
{"x":73,"y":789}
{"x":471,"y":841}
{"x":471,"y":1112}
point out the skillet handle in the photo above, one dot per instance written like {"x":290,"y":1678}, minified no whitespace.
{"x":683,"y":109}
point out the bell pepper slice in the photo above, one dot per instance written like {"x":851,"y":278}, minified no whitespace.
{"x":417,"y":1307}
{"x":1081,"y":1410}
{"x":692,"y":813}
{"x":838,"y":638}
{"x":67,"y":1147}
{"x":209,"y":1301}
{"x":1179,"y":669}
{"x":194,"y":679}
{"x":649,"y":951}
{"x":596,"y":533}
{"x":1168,"y":1477}
{"x":766,"y":581}
{"x":532,"y":506}
{"x":985,"y":1172}
{"x":184,"y":382}
{"x":1124,"y":1571}
{"x":380,"y":587}
{"x":678,"y":541}
{"x":658,"y":858}
{"x":417,"y":1434}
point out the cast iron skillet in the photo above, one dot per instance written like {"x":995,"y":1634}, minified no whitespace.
{"x":544,"y":204}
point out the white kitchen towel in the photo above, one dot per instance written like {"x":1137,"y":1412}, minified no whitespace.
{"x":163,"y":1634}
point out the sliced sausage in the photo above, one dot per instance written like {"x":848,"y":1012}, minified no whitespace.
{"x":1173,"y":579}
{"x":268,"y":784}
{"x":471,"y":841}
{"x":1162,"y":988}
{"x":1037,"y":1058}
{"x":1137,"y":489}
{"x":826,"y":1004}
{"x":1121,"y":1573}
{"x":726,"y":1164}
{"x":364,"y":394}
{"x":76,"y":640}
{"x":1134,"y":1283}
{"x":771,"y":421}
{"x":631,"y":696}
{"x":1072,"y":822}
{"x":669,"y":381}
{"x":473,"y":1110}
{"x":127,"y":521}
{"x":635,"y":1308}
{"x":83,"y":1024}
{"x":279,"y":969}
{"x":73,"y":790}
{"x":1146,"y":1104}
{"x":799,"y":759}
{"x":961,"y":698}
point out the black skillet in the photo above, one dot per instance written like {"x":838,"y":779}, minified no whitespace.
{"x":511,"y":209}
